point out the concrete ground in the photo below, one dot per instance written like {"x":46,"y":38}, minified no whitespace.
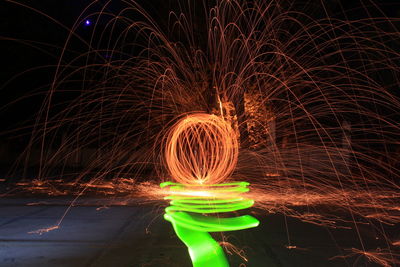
{"x":92,"y":234}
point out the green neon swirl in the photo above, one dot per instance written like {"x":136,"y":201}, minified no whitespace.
{"x":186,"y":214}
{"x":241,"y":184}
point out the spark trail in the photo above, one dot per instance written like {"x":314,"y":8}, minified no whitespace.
{"x":311,"y":95}
{"x":201,"y":150}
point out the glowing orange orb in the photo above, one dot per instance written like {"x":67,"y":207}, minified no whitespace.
{"x":201,"y":149}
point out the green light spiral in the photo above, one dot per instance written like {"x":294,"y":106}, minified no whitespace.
{"x":188,"y":206}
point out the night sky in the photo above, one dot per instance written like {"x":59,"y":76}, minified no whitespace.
{"x":32,"y":34}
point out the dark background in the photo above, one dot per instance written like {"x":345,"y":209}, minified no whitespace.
{"x":33,"y":33}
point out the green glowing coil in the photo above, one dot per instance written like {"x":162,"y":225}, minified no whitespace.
{"x":188,"y":206}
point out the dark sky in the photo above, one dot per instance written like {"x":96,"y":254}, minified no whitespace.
{"x":31,"y":35}
{"x":30,"y":40}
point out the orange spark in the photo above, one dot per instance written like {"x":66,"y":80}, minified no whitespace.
{"x":201,"y":149}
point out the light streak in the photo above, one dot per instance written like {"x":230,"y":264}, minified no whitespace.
{"x":192,"y":227}
{"x":203,"y":149}
{"x":45,"y":230}
{"x":380,"y":257}
{"x":330,"y":84}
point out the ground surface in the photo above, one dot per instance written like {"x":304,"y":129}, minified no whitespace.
{"x":92,"y":234}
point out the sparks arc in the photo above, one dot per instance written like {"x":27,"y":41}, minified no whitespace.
{"x":201,"y":149}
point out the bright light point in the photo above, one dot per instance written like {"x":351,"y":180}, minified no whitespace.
{"x":194,"y":193}
{"x":87,"y":22}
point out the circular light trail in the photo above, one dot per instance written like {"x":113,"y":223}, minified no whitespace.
{"x":201,"y":149}
{"x":201,"y":152}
